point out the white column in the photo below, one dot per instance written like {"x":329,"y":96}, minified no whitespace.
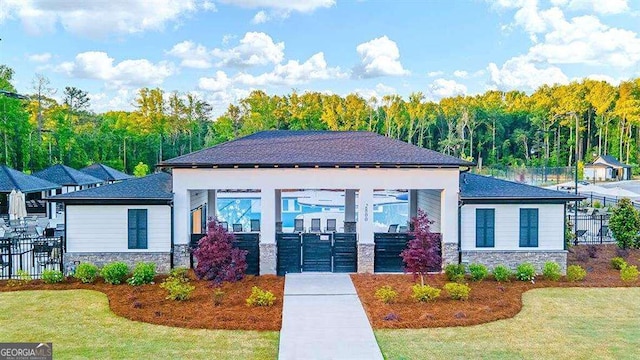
{"x":212,"y":204}
{"x":181,"y":204}
{"x":268,"y":216}
{"x":350,"y":205}
{"x":278,"y":204}
{"x":365,"y":216}
{"x":449,"y":216}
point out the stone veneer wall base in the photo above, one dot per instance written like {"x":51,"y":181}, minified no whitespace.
{"x":268,"y":258}
{"x":512,"y":258}
{"x":161,"y":259}
{"x":449,"y":254}
{"x":365,"y":257}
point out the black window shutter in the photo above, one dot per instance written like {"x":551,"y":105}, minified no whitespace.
{"x":524,"y":228}
{"x":132,"y":229}
{"x":142,"y":229}
{"x":480,"y":233}
{"x":533,"y":226}
{"x":490,"y":228}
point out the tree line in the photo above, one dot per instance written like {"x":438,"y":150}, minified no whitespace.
{"x":553,"y":126}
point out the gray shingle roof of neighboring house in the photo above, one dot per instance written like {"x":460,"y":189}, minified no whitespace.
{"x":315,"y":148}
{"x":478,"y":187}
{"x":613,"y":161}
{"x":105,"y":172}
{"x":154,"y":188}
{"x":11,"y":179}
{"x":66,"y":176}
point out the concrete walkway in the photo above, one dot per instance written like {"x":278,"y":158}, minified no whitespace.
{"x":324,"y":319}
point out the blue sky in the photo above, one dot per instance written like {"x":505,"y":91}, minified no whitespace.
{"x":222,"y":49}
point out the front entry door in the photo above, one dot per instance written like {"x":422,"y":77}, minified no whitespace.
{"x":316,"y":252}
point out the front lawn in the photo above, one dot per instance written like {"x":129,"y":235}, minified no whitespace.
{"x":555,"y":323}
{"x":81,"y":325}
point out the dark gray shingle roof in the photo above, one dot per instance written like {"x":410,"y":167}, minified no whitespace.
{"x":613,"y":161}
{"x":105,"y":172}
{"x":156,"y":187}
{"x":311,"y":148}
{"x":11,"y":179}
{"x":66,"y":176}
{"x":478,"y":187}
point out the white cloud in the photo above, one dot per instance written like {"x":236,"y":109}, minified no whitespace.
{"x":99,"y":18}
{"x":379,"y":57}
{"x":441,"y":88}
{"x":604,"y":7}
{"x":602,"y":77}
{"x":378,"y":92}
{"x":255,"y":48}
{"x":193,"y":55}
{"x":435,"y":73}
{"x":220,"y":82}
{"x":128,"y":73}
{"x":292,"y":73}
{"x":302,"y":6}
{"x":260,"y":17}
{"x":520,"y":73}
{"x":461,"y":74}
{"x":121,"y":100}
{"x":39,"y":58}
{"x":585,"y":40}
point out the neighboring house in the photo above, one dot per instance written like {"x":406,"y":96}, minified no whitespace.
{"x":128,"y":221}
{"x":479,"y":219}
{"x":107,"y":174}
{"x":69,"y":179}
{"x":606,"y":167}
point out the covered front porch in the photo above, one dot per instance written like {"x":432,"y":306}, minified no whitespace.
{"x":316,"y":220}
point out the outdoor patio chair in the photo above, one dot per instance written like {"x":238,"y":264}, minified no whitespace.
{"x":315,"y":225}
{"x":403,"y":229}
{"x":255,"y":225}
{"x":393,"y":228}
{"x":237,"y":227}
{"x":331,"y":225}
{"x":298,"y":225}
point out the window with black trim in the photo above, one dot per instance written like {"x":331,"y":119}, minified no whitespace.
{"x":137,"y":228}
{"x":528,"y":227}
{"x":485,"y":227}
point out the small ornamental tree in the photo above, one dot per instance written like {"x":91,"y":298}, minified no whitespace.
{"x":625,"y":224}
{"x":218,"y":259}
{"x":421,"y":253}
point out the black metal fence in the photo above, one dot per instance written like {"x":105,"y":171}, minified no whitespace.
{"x":529,"y":175}
{"x":388,"y":247}
{"x":21,"y":257}
{"x":591,"y":229}
{"x":243,"y":241}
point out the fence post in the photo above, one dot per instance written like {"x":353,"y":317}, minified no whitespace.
{"x":601,"y":232}
{"x":10,"y":259}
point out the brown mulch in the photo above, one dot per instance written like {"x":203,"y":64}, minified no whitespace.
{"x":147,"y":303}
{"x":488,"y":301}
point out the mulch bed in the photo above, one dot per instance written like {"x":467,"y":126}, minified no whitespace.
{"x":147,"y":303}
{"x":488,"y":301}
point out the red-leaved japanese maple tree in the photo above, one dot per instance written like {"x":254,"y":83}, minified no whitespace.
{"x":423,"y":251}
{"x":218,"y":259}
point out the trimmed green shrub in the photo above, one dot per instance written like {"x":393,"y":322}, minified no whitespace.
{"x":424,"y":293}
{"x":455,"y":272}
{"x":478,"y":272}
{"x":629,"y":273}
{"x":86,"y":272}
{"x":551,"y":271}
{"x":260,"y":297}
{"x":618,"y":263}
{"x":386,"y":294}
{"x":115,"y":273}
{"x":457,"y":291}
{"x":180,"y":273}
{"x":52,"y":276}
{"x":502,"y":273}
{"x":24,"y":276}
{"x":526,"y":272}
{"x":179,"y":289}
{"x":143,"y":273}
{"x":576,"y":273}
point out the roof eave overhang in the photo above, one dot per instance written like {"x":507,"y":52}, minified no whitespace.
{"x":521,"y":200}
{"x":311,"y":166}
{"x":94,"y":201}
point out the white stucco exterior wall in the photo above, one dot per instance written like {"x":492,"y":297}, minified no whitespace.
{"x":104,"y":228}
{"x":267,"y":180}
{"x":507,"y":226}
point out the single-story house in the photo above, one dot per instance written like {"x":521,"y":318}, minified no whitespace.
{"x":607,"y":167}
{"x":106,"y":173}
{"x":31,"y":186}
{"x":479,"y":219}
{"x":126,"y":221}
{"x":69,"y":179}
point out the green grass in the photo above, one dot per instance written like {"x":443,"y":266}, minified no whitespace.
{"x":81,"y":325}
{"x":553,"y":324}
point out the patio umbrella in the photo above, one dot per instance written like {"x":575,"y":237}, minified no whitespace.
{"x":21,"y":205}
{"x":12,"y":204}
